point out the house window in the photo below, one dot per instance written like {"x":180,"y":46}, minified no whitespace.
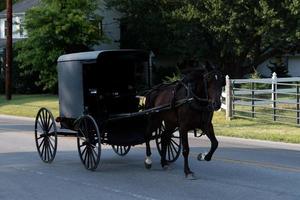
{"x":21,"y":28}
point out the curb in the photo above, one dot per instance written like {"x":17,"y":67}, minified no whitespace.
{"x":241,"y":141}
{"x":260,"y":143}
{"x":17,"y":117}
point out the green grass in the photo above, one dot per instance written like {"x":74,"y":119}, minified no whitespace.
{"x":255,"y":129}
{"x":28,"y":105}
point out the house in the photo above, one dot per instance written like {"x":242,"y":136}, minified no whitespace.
{"x":19,"y":10}
{"x":292,"y":61}
{"x":110,"y":25}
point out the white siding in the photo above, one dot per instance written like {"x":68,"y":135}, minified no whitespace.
{"x":111,"y":29}
{"x":110,"y":26}
{"x":16,"y":27}
{"x":294,"y":65}
{"x":264,"y":70}
{"x":2,"y":28}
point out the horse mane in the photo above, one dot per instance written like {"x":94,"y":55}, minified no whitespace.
{"x":155,"y":91}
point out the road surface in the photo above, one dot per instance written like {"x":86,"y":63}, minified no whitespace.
{"x":241,"y":169}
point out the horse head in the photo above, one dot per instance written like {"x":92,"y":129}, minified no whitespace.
{"x":206,"y":84}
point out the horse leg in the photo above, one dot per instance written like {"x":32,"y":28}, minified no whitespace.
{"x":148,"y":160}
{"x":214,"y":144}
{"x":185,"y":152}
{"x":148,"y":134}
{"x":164,"y":143}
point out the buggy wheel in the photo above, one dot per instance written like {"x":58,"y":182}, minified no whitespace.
{"x":45,"y":135}
{"x":88,"y":142}
{"x":121,"y":150}
{"x":173,"y":144}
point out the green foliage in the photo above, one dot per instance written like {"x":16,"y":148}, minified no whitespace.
{"x":256,"y":86}
{"x":279,"y":67}
{"x":1,"y":75}
{"x":54,"y":28}
{"x":165,"y":74}
{"x":236,"y":34}
{"x":3,"y":4}
{"x":21,"y":84}
{"x":173,"y":78}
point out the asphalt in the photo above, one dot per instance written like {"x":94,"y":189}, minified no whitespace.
{"x":241,"y":169}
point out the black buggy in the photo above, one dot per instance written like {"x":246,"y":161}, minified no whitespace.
{"x":100,"y":102}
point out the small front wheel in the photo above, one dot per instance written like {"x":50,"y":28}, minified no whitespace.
{"x":121,"y":150}
{"x":45,"y":135}
{"x":173,"y":143}
{"x":88,"y":142}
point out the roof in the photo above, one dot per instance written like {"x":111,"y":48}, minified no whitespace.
{"x":94,"y":55}
{"x":22,"y":6}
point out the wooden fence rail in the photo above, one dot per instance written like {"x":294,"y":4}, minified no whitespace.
{"x":274,"y":96}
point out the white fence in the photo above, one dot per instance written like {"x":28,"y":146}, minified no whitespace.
{"x":275,"y":99}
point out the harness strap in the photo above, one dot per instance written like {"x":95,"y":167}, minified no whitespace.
{"x":191,"y":97}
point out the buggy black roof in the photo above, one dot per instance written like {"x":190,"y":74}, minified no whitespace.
{"x":72,"y":72}
{"x":95,"y":55}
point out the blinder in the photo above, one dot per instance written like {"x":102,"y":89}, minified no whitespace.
{"x":192,"y":86}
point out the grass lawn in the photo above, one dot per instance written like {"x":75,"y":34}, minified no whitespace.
{"x":28,"y":105}
{"x":255,"y":129}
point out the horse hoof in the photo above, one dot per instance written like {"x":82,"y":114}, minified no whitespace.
{"x":148,"y":162}
{"x":201,"y":156}
{"x":147,"y":166}
{"x":190,"y":176}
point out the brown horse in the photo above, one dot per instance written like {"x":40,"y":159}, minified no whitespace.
{"x":192,"y":102}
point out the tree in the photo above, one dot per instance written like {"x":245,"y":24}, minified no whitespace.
{"x":54,"y":28}
{"x":3,"y":4}
{"x":236,"y":34}
{"x":279,"y":66}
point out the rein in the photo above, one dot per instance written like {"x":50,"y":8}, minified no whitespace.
{"x":192,"y":97}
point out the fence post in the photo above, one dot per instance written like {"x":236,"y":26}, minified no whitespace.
{"x":298,"y":102}
{"x":252,"y":100}
{"x":274,"y":94}
{"x":228,"y":99}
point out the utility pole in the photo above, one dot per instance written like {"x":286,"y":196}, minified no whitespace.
{"x":8,"y":64}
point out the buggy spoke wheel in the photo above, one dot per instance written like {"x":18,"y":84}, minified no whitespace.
{"x":45,"y":135}
{"x":121,"y":150}
{"x":88,"y":142}
{"x":173,"y":144}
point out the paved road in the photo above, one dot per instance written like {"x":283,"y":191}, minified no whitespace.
{"x":241,"y":169}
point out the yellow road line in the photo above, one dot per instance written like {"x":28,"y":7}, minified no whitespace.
{"x":256,"y":164}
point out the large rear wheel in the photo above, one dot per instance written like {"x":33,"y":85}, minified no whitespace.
{"x":88,"y":142}
{"x":45,"y":135}
{"x":173,"y":143}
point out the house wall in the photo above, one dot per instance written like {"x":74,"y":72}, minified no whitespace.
{"x":110,"y":26}
{"x":264,"y":70}
{"x":111,"y":29}
{"x":17,"y":24}
{"x":293,"y":63}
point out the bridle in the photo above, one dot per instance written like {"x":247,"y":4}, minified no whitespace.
{"x":196,"y":102}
